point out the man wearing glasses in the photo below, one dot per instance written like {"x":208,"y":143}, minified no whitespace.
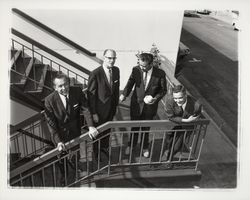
{"x":103,"y":96}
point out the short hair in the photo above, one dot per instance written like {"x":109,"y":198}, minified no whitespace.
{"x":179,"y":88}
{"x":106,"y":50}
{"x":146,"y":57}
{"x":61,"y":76}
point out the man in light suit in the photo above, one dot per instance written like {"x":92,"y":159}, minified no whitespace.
{"x":180,"y":108}
{"x":103,"y":95}
{"x":149,"y":87}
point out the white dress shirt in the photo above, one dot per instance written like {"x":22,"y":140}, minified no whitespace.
{"x":63,"y":98}
{"x":106,"y":70}
{"x":149,"y":74}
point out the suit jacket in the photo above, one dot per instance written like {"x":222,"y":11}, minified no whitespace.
{"x":103,"y":99}
{"x":156,"y":88}
{"x":66,"y":125}
{"x":176,"y":114}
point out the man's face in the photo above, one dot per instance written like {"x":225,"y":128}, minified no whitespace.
{"x":144,"y":65}
{"x":61,"y":86}
{"x":179,"y":98}
{"x":109,"y":59}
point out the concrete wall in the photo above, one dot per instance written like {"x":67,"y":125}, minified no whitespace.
{"x":126,"y":31}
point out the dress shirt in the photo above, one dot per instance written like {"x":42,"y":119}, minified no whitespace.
{"x":63,"y":98}
{"x":106,"y":70}
{"x":149,"y":74}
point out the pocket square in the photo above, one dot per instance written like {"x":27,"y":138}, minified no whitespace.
{"x":115,"y":81}
{"x":75,"y":105}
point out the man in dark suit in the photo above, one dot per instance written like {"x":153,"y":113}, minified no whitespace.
{"x":180,"y":108}
{"x":149,"y":87}
{"x":103,"y":95}
{"x":62,"y":111}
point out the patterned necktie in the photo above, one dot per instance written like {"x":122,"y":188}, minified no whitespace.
{"x":145,"y":79}
{"x":67,"y":104}
{"x":110,"y":77}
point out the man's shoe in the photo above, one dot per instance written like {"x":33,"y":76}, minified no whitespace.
{"x":146,"y":153}
{"x":127,"y":151}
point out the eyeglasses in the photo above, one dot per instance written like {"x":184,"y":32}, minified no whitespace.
{"x":110,"y":58}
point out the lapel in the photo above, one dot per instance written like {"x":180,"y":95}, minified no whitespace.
{"x":105,"y":77}
{"x":150,"y":81}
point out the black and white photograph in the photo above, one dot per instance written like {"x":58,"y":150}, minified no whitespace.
{"x":135,"y":100}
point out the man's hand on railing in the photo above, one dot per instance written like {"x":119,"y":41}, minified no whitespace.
{"x":92,"y":132}
{"x":95,"y":118}
{"x":122,"y":98}
{"x":61,"y":146}
{"x":191,"y":118}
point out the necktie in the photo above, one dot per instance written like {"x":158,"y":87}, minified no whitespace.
{"x":110,"y":77}
{"x":67,"y":104}
{"x":145,"y":79}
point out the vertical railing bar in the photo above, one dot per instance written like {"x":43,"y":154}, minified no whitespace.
{"x":32,"y":139}
{"x":15,"y":145}
{"x":76,"y":164}
{"x":191,"y":147}
{"x":162,"y":146}
{"x":13,"y":44}
{"x":172,"y":148}
{"x":183,"y":143}
{"x":120,"y":153}
{"x":109,"y":161}
{"x":18,"y":148}
{"x":151,"y":152}
{"x":23,"y":55}
{"x":198,"y":158}
{"x":198,"y":136}
{"x":26,"y":146}
{"x":65,"y":170}
{"x":131,"y":147}
{"x":43,"y":177}
{"x":54,"y":174}
{"x":32,"y":180}
{"x":99,"y":152}
{"x":87,"y":158}
{"x":142,"y":142}
{"x":21,"y":179}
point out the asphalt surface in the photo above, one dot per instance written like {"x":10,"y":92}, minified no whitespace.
{"x":211,"y":69}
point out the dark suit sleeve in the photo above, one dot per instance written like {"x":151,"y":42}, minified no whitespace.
{"x":130,"y":84}
{"x":197,"y":108}
{"x":117,"y":92}
{"x":171,"y":114}
{"x":92,"y":93}
{"x":52,"y":123}
{"x":85,"y":109}
{"x":163,"y":86}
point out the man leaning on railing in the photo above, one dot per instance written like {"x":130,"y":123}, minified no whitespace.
{"x":62,"y":112}
{"x":180,"y":108}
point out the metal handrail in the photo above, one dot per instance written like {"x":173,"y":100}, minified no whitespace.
{"x":52,"y":32}
{"x":112,"y":124}
{"x":49,"y":51}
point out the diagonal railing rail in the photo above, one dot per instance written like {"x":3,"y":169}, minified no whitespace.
{"x":52,"y":32}
{"x":46,"y":170}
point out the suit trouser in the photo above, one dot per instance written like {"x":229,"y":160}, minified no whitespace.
{"x":104,"y":142}
{"x":144,"y":131}
{"x":177,"y":144}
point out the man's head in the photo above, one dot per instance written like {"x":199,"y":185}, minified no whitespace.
{"x":61,"y":84}
{"x":179,"y":94}
{"x":109,"y":58}
{"x":145,"y":61}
